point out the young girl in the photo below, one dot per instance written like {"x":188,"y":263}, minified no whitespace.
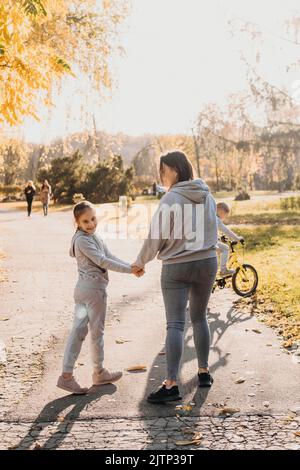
{"x":93,"y":260}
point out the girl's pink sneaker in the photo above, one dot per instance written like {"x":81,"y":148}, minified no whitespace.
{"x":70,"y":385}
{"x":106,"y":377}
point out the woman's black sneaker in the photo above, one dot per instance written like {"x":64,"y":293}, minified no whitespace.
{"x":163,"y":395}
{"x":205,"y":379}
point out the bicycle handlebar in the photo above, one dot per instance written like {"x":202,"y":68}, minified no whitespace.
{"x":226,"y":240}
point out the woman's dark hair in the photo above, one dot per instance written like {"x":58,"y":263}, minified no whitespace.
{"x":80,"y":208}
{"x":180,"y":163}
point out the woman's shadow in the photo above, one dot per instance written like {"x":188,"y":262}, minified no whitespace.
{"x":176,"y":417}
{"x":53,"y":413}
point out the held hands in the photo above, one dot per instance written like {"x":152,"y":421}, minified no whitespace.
{"x":137,"y":271}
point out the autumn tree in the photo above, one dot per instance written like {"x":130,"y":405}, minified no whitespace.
{"x":43,"y":40}
{"x":13,"y":161}
{"x":279,"y":108}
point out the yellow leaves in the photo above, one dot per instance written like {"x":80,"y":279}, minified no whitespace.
{"x":228,"y":411}
{"x":183,"y":407}
{"x":122,"y":341}
{"x":137,"y":368}
{"x":288,"y":343}
{"x":239,"y":380}
{"x":34,"y":7}
{"x":195,"y":440}
{"x":38,"y":48}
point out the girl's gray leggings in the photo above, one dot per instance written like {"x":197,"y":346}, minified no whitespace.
{"x":181,"y":282}
{"x":90,"y":311}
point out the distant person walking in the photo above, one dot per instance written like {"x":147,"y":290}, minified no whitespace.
{"x":45,"y":196}
{"x":29,"y":194}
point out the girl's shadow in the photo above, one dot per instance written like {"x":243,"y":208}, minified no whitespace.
{"x":52,"y":413}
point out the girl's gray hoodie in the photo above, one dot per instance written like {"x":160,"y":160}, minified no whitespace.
{"x":93,"y":260}
{"x":184,"y":227}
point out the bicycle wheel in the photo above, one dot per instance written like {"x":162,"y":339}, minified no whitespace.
{"x":245,"y":281}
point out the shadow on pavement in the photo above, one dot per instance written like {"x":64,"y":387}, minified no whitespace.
{"x":53,"y":412}
{"x":218,"y":327}
{"x":55,"y":409}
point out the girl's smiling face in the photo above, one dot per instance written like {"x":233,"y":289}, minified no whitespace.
{"x":88,"y":221}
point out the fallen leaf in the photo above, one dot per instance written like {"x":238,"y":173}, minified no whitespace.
{"x":239,"y":381}
{"x":136,"y":368}
{"x":256,"y":331}
{"x":230,"y":411}
{"x":60,"y":419}
{"x":251,"y":394}
{"x":297,"y":434}
{"x":187,"y":408}
{"x":37,"y":447}
{"x":194,"y":442}
{"x":122,"y":341}
{"x":266,"y":404}
{"x":162,"y":353}
{"x":288,"y":419}
{"x":4,"y":318}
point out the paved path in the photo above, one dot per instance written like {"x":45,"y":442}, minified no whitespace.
{"x":37,"y":301}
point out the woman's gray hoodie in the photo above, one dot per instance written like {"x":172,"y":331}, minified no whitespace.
{"x":93,"y":260}
{"x":184,"y":227}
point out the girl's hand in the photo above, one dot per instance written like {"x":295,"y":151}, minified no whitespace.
{"x":137,"y":271}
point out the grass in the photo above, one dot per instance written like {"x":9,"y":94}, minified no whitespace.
{"x":274,"y":211}
{"x":232,"y":194}
{"x":275,"y":252}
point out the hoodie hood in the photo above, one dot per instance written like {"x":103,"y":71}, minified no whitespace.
{"x":77,"y":234}
{"x":194,"y":190}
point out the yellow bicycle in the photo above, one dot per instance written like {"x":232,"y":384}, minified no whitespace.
{"x":244,"y":280}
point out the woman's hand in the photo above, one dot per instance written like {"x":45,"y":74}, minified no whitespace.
{"x":137,"y":271}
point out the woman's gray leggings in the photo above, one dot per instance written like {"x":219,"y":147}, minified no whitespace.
{"x":181,"y":282}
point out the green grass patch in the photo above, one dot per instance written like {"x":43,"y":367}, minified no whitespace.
{"x":275,"y":252}
{"x":273,"y":210}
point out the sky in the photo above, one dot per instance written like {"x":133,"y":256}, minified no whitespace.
{"x":179,"y":55}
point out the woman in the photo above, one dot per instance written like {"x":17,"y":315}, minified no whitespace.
{"x":29,"y":194}
{"x":45,"y":196}
{"x":184,"y":235}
